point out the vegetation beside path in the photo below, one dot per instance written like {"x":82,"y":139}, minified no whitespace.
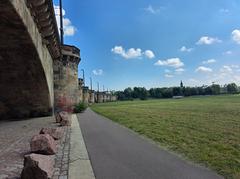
{"x":203,"y":129}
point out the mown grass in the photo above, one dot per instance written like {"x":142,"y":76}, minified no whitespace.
{"x":203,"y":129}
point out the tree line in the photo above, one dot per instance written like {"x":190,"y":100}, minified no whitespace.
{"x":143,"y":94}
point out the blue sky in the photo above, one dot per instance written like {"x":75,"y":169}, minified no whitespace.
{"x":155,"y":43}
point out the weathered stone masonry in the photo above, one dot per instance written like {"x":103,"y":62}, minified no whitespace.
{"x":66,"y":88}
{"x":37,"y":74}
{"x":27,"y":50}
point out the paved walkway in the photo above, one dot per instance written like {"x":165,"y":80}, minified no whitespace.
{"x":14,"y":144}
{"x":117,"y":153}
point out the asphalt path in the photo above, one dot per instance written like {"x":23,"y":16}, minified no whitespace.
{"x":118,"y":153}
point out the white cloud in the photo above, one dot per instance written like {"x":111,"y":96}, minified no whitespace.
{"x":172,"y":62}
{"x":226,"y":69}
{"x":68,"y":28}
{"x":98,"y":72}
{"x":168,"y":75}
{"x":132,"y":53}
{"x":203,"y":69}
{"x":228,"y":52}
{"x":57,"y":11}
{"x":129,"y":54}
{"x":180,"y":70}
{"x":149,"y":54}
{"x":152,"y":10}
{"x":118,"y":50}
{"x":236,"y":36}
{"x":205,"y":40}
{"x":235,"y":66}
{"x":209,"y":61}
{"x":185,"y":49}
{"x":225,"y":75}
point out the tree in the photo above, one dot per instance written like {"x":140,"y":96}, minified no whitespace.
{"x":167,"y":92}
{"x":143,"y":93}
{"x":201,"y":90}
{"x":152,"y":92}
{"x":232,"y":88}
{"x":120,"y":95}
{"x":187,"y":91}
{"x":177,"y":91}
{"x":208,"y":90}
{"x":215,"y":89}
{"x":128,"y":93}
{"x":135,"y":92}
{"x":158,"y":93}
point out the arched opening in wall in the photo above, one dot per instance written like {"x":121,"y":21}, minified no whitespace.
{"x":23,"y":86}
{"x":24,"y":90}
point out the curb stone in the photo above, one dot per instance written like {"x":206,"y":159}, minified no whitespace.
{"x":79,"y":164}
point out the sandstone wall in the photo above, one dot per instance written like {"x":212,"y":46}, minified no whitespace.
{"x":26,"y":74}
{"x":66,"y":88}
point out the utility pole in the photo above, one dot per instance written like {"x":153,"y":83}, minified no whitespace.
{"x":83,"y":77}
{"x":61,"y":23}
{"x":91,"y":83}
{"x":103,"y":88}
{"x":98,"y":86}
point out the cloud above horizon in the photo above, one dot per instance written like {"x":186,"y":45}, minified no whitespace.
{"x":172,"y":62}
{"x":151,"y":9}
{"x":168,"y":76}
{"x":203,"y":69}
{"x":205,"y":40}
{"x":132,"y":53}
{"x":209,"y":61}
{"x":68,"y":28}
{"x":236,"y":36}
{"x":185,"y":49}
{"x":98,"y":72}
{"x":149,"y":54}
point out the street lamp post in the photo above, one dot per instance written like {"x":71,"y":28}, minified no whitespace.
{"x":61,"y":23}
{"x":91,"y":83}
{"x":98,"y":86}
{"x":83,"y":77}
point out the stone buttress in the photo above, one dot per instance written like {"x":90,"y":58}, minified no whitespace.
{"x":66,"y":84}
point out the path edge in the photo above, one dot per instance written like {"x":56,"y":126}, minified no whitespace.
{"x":79,"y":162}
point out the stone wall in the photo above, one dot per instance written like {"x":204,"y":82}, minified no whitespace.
{"x":36,"y":73}
{"x":66,"y":87}
{"x":91,"y":96}
{"x":86,"y":95}
{"x":80,"y":89}
{"x":26,"y":74}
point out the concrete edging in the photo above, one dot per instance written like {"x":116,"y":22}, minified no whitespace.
{"x":79,"y":164}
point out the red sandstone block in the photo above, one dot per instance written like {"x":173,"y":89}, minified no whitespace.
{"x":56,"y":133}
{"x":43,"y":144}
{"x":65,"y":119}
{"x":38,"y":166}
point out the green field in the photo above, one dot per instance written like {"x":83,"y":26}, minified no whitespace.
{"x":203,"y":129}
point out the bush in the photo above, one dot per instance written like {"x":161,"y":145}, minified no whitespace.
{"x":80,"y":107}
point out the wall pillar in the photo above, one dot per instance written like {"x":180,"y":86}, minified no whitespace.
{"x":66,"y":84}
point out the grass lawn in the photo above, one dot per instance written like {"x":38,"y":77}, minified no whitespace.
{"x":203,"y":129}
